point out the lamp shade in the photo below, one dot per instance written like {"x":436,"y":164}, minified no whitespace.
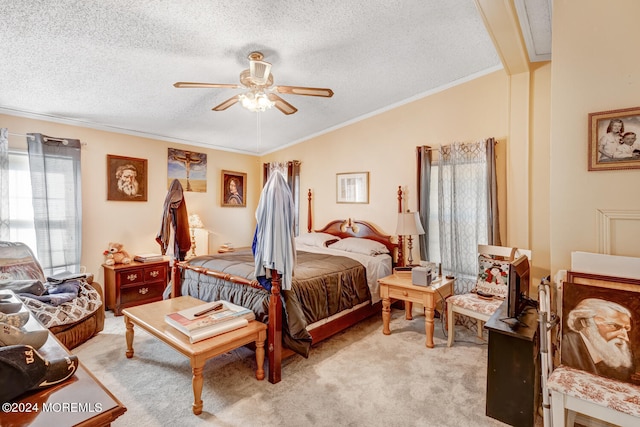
{"x":195,"y":221}
{"x":409,"y":224}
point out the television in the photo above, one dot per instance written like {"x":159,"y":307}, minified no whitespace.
{"x":518,"y":290}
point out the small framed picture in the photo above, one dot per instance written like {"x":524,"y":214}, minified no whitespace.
{"x":614,"y":139}
{"x":234,"y":189}
{"x":126,"y":179}
{"x":189,"y":167}
{"x":352,"y":187}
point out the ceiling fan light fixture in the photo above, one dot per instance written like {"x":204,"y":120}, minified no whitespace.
{"x":256,"y":101}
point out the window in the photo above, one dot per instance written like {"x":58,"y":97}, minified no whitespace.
{"x":21,"y":227}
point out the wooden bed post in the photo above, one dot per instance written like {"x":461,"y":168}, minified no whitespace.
{"x":274,"y":330}
{"x":175,"y":285}
{"x":309,"y":220}
{"x":400,"y":261}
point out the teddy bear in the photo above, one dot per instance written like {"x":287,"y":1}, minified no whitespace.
{"x":116,"y":254}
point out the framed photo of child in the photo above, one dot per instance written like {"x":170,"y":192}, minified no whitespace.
{"x":614,"y":139}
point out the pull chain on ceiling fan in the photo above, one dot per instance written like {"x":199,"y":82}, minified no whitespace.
{"x":261,"y":94}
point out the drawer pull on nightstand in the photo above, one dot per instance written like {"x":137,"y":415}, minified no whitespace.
{"x":154,"y":273}
{"x":132,"y":277}
{"x":143,"y":291}
{"x":405,"y":293}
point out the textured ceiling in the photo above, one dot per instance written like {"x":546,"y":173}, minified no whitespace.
{"x":111,"y":64}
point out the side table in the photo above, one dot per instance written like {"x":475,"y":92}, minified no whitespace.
{"x":127,"y":285}
{"x":401,"y":288}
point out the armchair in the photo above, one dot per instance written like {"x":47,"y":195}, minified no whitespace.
{"x":72,"y":322}
{"x":474,"y":306}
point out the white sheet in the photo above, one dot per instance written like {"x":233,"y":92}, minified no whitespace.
{"x":377,"y":266}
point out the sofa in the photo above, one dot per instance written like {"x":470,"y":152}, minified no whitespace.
{"x":74,"y":321}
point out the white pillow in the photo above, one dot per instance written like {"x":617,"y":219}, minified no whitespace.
{"x":360,"y":246}
{"x":315,"y":239}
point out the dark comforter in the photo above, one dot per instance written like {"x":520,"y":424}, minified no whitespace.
{"x":323,"y":285}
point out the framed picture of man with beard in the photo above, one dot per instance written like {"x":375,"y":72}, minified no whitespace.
{"x":126,"y":178}
{"x":601,"y":326}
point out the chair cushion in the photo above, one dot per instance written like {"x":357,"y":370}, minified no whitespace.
{"x":493,"y":276}
{"x":617,"y":395}
{"x":475,"y":303}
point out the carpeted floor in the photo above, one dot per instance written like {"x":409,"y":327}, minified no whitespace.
{"x":357,"y":378}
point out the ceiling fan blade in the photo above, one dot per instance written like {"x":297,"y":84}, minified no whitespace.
{"x":282,"y":105}
{"x":226,"y":104}
{"x":309,"y":91}
{"x":205,"y":85}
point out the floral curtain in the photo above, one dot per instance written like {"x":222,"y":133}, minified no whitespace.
{"x":467,"y":203}
{"x":57,"y":201}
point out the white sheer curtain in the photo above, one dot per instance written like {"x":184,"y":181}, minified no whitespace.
{"x":466,"y":207}
{"x":57,"y":201}
{"x":4,"y":184}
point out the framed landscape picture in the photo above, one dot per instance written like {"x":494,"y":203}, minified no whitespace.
{"x":614,"y":141}
{"x":352,"y":187}
{"x":126,"y":178}
{"x":234,"y":189}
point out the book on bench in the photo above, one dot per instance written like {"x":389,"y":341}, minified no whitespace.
{"x":213,"y":322}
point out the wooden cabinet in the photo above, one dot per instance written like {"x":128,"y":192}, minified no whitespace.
{"x":513,"y":369}
{"x":132,"y":284}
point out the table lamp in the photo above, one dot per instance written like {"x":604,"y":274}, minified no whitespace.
{"x":194,"y":222}
{"x":409,"y":225}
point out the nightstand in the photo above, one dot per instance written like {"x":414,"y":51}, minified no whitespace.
{"x":401,"y":288}
{"x":127,"y":285}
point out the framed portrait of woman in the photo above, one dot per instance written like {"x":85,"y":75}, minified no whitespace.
{"x":234,"y":189}
{"x":614,"y":139}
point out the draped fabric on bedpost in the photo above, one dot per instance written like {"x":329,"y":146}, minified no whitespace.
{"x":463,"y":195}
{"x":4,"y":184}
{"x":423,"y":157}
{"x":291,"y":170}
{"x":54,"y":165}
{"x":275,"y":256}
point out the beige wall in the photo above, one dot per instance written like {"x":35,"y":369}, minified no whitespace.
{"x":384,"y":145}
{"x":595,"y":68}
{"x":136,"y":224}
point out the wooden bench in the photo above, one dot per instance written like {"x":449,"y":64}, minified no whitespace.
{"x":598,"y":397}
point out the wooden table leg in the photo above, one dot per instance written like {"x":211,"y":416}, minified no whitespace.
{"x":129,"y":336}
{"x":260,"y":355}
{"x":428,"y":325}
{"x":408,"y":307}
{"x":197,"y":367}
{"x":386,"y":315}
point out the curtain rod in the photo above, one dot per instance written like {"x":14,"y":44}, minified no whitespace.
{"x":438,"y":148}
{"x":47,"y":138}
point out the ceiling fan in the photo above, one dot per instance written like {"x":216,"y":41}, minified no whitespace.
{"x":260,"y":94}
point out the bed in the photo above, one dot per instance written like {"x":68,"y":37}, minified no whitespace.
{"x":334,"y":286}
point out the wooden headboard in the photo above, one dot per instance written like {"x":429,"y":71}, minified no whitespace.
{"x":361,"y":229}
